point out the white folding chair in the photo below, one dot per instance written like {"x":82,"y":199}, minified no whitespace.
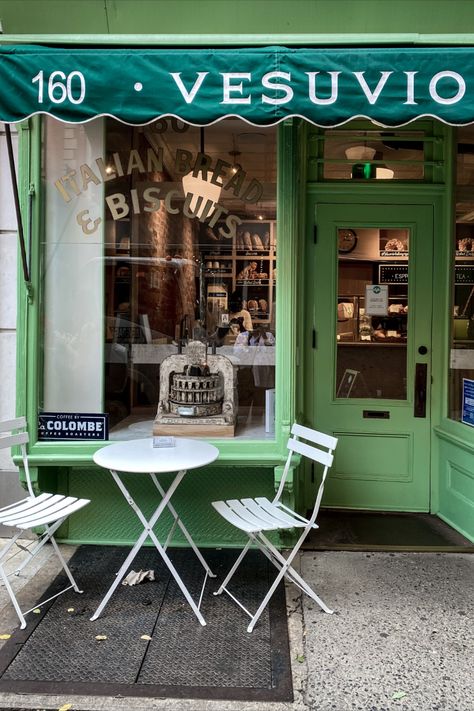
{"x":46,"y":511}
{"x":259,"y":515}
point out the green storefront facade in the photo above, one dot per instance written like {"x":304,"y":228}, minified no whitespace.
{"x":343,"y":168}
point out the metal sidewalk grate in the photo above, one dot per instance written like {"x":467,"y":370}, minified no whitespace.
{"x":59,"y":652}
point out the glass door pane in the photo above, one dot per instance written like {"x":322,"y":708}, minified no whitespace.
{"x":372,"y":313}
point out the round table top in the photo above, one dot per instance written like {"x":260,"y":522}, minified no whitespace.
{"x":139,"y":456}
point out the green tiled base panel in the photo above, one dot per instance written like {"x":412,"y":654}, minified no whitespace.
{"x":108,"y":519}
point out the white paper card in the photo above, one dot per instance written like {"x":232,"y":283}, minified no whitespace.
{"x":164,"y":442}
{"x":376,"y":299}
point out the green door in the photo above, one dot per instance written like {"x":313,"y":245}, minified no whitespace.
{"x":370,"y":311}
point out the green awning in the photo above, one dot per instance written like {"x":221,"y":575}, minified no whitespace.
{"x":262,"y":85}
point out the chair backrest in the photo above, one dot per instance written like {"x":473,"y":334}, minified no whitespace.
{"x":8,"y":440}
{"x":322,"y":453}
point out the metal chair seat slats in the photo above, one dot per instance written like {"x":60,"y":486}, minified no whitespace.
{"x":34,"y":508}
{"x":265,"y":514}
{"x":21,"y":506}
{"x":280,"y":517}
{"x":256,"y":516}
{"x":61,"y":510}
{"x":45,"y":511}
{"x":237,"y":515}
{"x":251,"y":511}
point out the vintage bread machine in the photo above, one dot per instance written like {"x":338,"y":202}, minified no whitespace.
{"x":196,"y":394}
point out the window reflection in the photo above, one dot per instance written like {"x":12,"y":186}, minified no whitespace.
{"x":169,"y":233}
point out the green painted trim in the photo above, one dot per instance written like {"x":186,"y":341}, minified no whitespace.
{"x":454,"y":438}
{"x":27,"y":296}
{"x":444,"y":221}
{"x":286,"y":283}
{"x":301,"y":324}
{"x":289,"y":498}
{"x":212,"y":544}
{"x":103,"y":279}
{"x":189,"y":39}
{"x":332,"y":194}
{"x":75,"y":455}
{"x":463,"y":532}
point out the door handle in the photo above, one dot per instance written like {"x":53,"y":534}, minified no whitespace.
{"x":421,"y":372}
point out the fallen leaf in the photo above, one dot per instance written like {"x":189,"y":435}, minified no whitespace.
{"x":36,"y":611}
{"x":65,"y":707}
{"x":398,"y":695}
{"x":70,"y":609}
{"x":300,"y":658}
{"x":5,"y":636}
{"x":145,"y":636}
{"x":101,"y":637}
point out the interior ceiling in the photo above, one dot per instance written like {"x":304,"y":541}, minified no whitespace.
{"x":254,"y":148}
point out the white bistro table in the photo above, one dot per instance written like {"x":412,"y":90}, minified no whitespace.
{"x":140,"y":457}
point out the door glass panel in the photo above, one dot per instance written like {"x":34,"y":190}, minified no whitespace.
{"x":372,"y":313}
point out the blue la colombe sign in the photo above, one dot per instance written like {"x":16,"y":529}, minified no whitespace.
{"x":263,"y":85}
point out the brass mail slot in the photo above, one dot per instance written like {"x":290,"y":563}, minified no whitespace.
{"x":376,"y":414}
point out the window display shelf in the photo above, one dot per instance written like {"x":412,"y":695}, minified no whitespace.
{"x":266,"y":254}
{"x":253,"y":282}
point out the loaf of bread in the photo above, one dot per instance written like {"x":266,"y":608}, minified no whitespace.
{"x":248,"y":241}
{"x":257,"y":242}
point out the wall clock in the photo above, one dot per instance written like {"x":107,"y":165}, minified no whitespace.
{"x":346,"y":240}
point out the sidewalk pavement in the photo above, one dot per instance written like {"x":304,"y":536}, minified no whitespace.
{"x":401,"y":637}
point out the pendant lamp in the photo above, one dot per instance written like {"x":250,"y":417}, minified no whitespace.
{"x":363,"y":168}
{"x":202,"y":190}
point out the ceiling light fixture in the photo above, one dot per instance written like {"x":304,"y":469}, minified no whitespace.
{"x":234,"y":153}
{"x":364,"y":169}
{"x":360,"y":153}
{"x":382,"y":173}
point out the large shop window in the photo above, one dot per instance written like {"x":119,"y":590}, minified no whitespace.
{"x":461,"y":366}
{"x":159,"y":276}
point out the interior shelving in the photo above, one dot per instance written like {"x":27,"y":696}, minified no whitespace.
{"x":251,"y":272}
